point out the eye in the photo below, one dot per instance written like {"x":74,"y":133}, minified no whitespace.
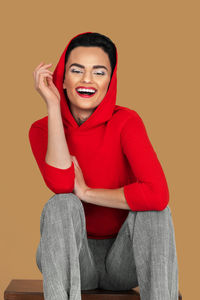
{"x":100,"y":73}
{"x":75,"y":71}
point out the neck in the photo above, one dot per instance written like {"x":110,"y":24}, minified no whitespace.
{"x":80,"y":115}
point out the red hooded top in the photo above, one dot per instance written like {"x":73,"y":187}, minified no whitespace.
{"x":113,"y":151}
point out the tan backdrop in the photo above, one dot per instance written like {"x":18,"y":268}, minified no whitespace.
{"x":158,"y":76}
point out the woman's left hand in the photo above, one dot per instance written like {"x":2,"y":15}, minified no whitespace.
{"x":80,"y":186}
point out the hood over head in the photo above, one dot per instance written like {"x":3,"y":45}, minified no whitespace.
{"x":104,"y":110}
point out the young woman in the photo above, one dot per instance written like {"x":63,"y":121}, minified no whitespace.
{"x":108,"y":225}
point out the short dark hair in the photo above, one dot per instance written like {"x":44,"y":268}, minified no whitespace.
{"x":93,"y":39}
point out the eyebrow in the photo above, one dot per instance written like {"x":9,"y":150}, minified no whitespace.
{"x":94,"y":67}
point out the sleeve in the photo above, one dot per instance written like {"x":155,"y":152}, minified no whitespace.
{"x":150,"y":190}
{"x":57,"y":180}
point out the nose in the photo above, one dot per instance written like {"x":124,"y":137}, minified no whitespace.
{"x":87,"y":77}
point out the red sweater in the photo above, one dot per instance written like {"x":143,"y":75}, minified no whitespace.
{"x":113,"y":151}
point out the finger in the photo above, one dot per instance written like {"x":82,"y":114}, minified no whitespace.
{"x":46,"y":66}
{"x":76,"y":162}
{"x":39,"y":73}
{"x":41,"y":82}
{"x":42,"y":66}
{"x":75,"y":166}
{"x":44,"y":70}
{"x":44,"y":74}
{"x":73,"y":158}
{"x":42,"y":63}
{"x":51,"y":84}
{"x":39,"y":66}
{"x":49,"y":80}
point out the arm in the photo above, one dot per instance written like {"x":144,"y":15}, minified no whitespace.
{"x":58,"y":180}
{"x":103,"y":197}
{"x":106,"y":197}
{"x":150,"y":191}
{"x":57,"y":150}
{"x":50,"y":149}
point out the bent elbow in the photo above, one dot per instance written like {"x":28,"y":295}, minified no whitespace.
{"x":59,"y":180}
{"x":162,"y":198}
{"x":60,"y":189}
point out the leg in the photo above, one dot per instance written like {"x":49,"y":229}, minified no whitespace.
{"x":99,"y":249}
{"x":120,"y":269}
{"x":63,"y":249}
{"x":154,"y":258}
{"x":155,"y":255}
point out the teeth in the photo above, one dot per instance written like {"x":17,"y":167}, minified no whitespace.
{"x":85,"y":90}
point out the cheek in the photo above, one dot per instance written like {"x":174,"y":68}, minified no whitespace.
{"x":70,"y":82}
{"x":104,"y":86}
{"x":102,"y":82}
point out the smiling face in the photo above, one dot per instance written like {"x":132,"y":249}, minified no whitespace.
{"x":87,"y":67}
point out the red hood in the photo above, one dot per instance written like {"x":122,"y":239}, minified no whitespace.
{"x":104,"y":110}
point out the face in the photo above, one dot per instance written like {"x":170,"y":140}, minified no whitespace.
{"x":87,"y":67}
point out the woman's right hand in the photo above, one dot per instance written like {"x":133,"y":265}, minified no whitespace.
{"x":49,"y":91}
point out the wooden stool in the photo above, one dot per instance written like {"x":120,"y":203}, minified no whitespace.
{"x":26,"y":289}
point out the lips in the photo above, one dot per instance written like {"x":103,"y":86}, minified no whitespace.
{"x":86,"y":87}
{"x":86,"y":92}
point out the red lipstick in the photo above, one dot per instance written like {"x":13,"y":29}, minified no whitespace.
{"x":85,"y":95}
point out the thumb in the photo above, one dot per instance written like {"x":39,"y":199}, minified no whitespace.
{"x":75,"y":160}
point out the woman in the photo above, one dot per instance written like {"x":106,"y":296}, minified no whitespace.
{"x":108,"y":225}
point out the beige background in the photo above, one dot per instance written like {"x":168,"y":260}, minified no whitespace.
{"x":158,"y":76}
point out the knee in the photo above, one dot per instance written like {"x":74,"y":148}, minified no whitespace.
{"x":151,"y":220}
{"x":60,"y":204}
{"x":160,"y":223}
{"x":160,"y":216}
